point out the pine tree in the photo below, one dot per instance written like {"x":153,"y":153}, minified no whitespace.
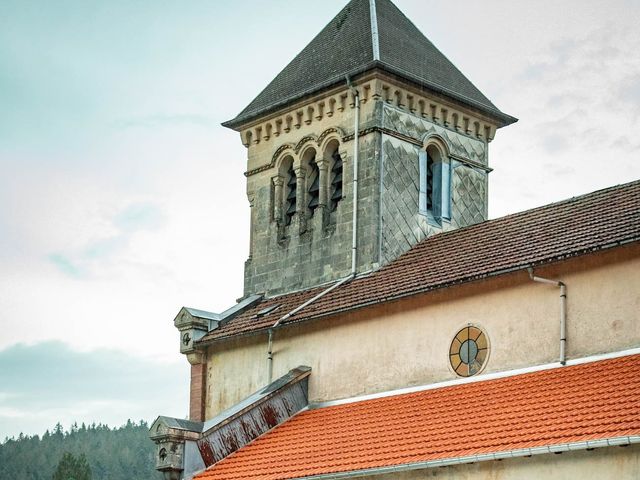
{"x":72,"y":468}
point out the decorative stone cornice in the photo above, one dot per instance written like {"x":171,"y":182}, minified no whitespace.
{"x":377,"y":87}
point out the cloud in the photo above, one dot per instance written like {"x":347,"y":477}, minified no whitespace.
{"x":555,"y":143}
{"x":167,"y":120}
{"x":629,"y":92}
{"x":65,"y":265}
{"x":48,"y":382}
{"x":139,"y":216}
{"x":134,"y":218}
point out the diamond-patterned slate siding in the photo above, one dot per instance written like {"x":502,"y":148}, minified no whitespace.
{"x":591,"y":401}
{"x":469,"y":196}
{"x":399,"y":209}
{"x":420,"y":129}
{"x":577,"y":226}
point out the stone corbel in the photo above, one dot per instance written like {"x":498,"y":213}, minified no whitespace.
{"x":411,"y":103}
{"x":435,"y":118}
{"x":331,"y":108}
{"x":342,"y":102}
{"x":366,"y":92}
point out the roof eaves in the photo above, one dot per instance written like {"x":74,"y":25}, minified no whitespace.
{"x":245,"y":118}
{"x":483,"y":457}
{"x":410,"y":293}
{"x":487,"y":109}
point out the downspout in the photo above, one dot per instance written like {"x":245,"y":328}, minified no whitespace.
{"x":354,"y":238}
{"x":563,"y":311}
{"x":356,"y":151}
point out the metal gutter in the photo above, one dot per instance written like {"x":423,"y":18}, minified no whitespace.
{"x":485,"y":377}
{"x":523,"y":452}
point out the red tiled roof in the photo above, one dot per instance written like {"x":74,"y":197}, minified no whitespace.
{"x":580,"y":225}
{"x":591,"y":401}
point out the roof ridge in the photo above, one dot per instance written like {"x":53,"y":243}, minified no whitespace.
{"x":375,"y":34}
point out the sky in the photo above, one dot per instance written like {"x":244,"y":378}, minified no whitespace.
{"x":122,"y":198}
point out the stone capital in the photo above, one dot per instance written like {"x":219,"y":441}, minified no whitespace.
{"x":322,"y":163}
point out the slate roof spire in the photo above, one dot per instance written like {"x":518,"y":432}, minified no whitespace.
{"x":365,"y":35}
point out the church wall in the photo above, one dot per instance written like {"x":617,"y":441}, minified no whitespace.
{"x":615,"y":463}
{"x":405,"y":343}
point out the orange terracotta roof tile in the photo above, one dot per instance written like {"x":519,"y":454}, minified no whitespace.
{"x":591,"y":401}
{"x":577,"y":226}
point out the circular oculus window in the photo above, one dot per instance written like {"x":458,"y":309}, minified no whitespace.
{"x":468,"y":351}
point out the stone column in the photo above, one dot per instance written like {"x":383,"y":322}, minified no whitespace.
{"x":300,"y":193}
{"x":278,"y":183}
{"x":300,"y":198}
{"x":323,"y":171}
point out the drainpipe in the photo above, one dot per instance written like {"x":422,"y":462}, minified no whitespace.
{"x":356,"y":149}
{"x":563,"y":311}
{"x":293,"y":312}
{"x":354,"y":237}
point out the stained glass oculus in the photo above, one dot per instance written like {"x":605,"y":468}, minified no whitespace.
{"x":468,"y":351}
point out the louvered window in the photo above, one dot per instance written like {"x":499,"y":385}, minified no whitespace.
{"x":336,"y":181}
{"x":435,"y":186}
{"x":290,"y":204}
{"x":429,"y":182}
{"x":314,"y":186}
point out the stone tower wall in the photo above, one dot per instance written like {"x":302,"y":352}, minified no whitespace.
{"x":402,"y":223}
{"x":315,"y":249}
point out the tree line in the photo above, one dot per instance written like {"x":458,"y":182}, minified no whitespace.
{"x":84,"y":452}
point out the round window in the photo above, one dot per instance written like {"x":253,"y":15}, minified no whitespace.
{"x":468,"y":351}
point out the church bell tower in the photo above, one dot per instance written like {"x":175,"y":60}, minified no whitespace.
{"x":370,"y":85}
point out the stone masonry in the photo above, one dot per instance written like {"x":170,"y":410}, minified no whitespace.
{"x":315,"y":248}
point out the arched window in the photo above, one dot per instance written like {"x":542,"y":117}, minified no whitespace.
{"x":435,"y":184}
{"x":290,"y":195}
{"x":335,"y":180}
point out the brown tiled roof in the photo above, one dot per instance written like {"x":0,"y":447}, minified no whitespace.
{"x":580,"y":225}
{"x":565,"y":405}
